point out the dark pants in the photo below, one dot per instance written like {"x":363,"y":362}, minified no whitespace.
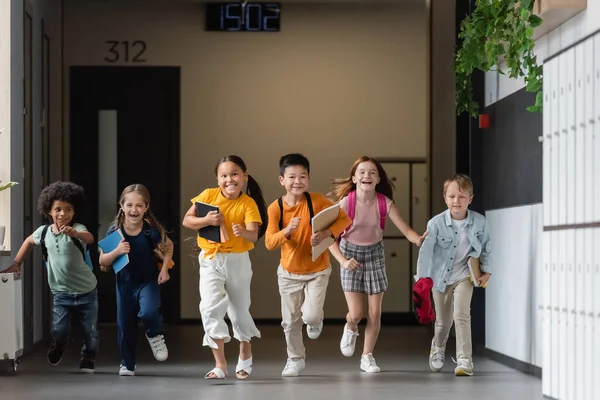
{"x":84,"y":308}
{"x":136,"y":301}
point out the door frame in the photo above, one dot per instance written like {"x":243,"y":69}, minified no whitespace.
{"x":174,"y":310}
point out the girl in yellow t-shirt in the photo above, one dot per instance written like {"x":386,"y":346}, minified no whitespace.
{"x":225,"y":268}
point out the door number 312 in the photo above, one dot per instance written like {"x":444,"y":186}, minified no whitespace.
{"x":125,"y":51}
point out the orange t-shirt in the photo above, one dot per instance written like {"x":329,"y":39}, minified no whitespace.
{"x":296,"y":252}
{"x":242,"y":210}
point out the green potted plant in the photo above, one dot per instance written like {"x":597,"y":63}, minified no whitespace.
{"x":496,"y":31}
{"x":2,"y":227}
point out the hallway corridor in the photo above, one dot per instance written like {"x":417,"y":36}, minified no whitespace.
{"x":401,"y":353}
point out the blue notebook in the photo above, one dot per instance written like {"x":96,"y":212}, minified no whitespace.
{"x":110,"y":243}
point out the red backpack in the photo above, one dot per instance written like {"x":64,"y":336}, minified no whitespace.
{"x":381,"y":203}
{"x":421,"y":295}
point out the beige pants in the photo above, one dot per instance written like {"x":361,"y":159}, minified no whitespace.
{"x":302,"y":300}
{"x":454,"y":305}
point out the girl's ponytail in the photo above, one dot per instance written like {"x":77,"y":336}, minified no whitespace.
{"x":253,"y":190}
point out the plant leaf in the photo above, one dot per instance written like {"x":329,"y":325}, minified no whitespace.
{"x":534,"y":21}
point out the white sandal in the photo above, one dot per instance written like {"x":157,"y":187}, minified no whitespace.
{"x":243,"y":366}
{"x":218,"y":372}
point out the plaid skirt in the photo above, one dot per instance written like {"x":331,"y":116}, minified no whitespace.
{"x":370,"y":277}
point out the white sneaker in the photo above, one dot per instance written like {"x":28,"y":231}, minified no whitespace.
{"x":293,"y":367}
{"x":437,"y":358}
{"x":123,"y":371}
{"x":368,"y":364}
{"x":464,"y":367}
{"x":158,"y":346}
{"x":348,"y":342}
{"x":313,"y":331}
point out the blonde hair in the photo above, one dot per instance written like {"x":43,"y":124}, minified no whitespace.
{"x":148,"y":217}
{"x":463,"y":181}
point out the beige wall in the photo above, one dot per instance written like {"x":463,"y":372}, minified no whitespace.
{"x":338,"y":81}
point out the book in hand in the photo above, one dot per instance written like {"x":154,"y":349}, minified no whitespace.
{"x":110,"y":243}
{"x":216,"y":234}
{"x":320,"y":222}
{"x":474,"y":271}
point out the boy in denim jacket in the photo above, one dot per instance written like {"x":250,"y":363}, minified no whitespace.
{"x":454,"y":236}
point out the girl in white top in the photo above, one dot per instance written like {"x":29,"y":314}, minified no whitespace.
{"x":366,"y":195}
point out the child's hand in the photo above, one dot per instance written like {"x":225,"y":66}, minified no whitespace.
{"x":163,"y":277}
{"x":123,"y":247}
{"x":214,"y":218}
{"x":14,"y":268}
{"x":69,"y":231}
{"x":105,"y":268}
{"x":351,"y":264}
{"x":318,"y":237}
{"x":238,"y":230}
{"x":422,"y":239}
{"x":292,"y":226}
{"x":483,"y":279}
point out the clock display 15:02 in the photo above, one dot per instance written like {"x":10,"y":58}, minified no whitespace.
{"x":249,"y":17}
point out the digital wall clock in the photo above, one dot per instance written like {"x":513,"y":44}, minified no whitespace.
{"x":243,"y":17}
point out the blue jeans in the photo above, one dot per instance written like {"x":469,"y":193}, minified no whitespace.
{"x":136,"y":300}
{"x":82,"y":307}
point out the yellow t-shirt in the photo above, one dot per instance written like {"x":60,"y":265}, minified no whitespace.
{"x":242,"y":210}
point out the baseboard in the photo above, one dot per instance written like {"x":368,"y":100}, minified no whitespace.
{"x":513,"y":363}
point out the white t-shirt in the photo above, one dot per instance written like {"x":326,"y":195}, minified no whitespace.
{"x":460,"y":270}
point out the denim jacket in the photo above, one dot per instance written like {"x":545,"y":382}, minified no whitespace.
{"x":439,"y":247}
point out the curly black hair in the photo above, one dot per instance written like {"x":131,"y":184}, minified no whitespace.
{"x":62,"y":191}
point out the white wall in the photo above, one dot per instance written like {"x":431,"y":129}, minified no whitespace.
{"x":349,"y":77}
{"x":583,"y":24}
{"x":513,"y":324}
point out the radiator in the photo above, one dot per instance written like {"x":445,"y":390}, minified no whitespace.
{"x":11,"y":318}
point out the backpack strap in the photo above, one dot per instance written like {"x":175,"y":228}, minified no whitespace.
{"x":311,"y":211}
{"x":381,"y":202}
{"x":78,"y":244}
{"x":147,"y":229}
{"x":351,"y":198}
{"x":43,"y":243}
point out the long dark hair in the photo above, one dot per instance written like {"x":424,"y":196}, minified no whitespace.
{"x":343,"y":186}
{"x":252,"y":189}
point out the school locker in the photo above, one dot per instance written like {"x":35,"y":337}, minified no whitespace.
{"x":561,"y":145}
{"x":398,"y":173}
{"x":547,"y":143}
{"x":11,"y":328}
{"x":590,"y":119}
{"x":546,"y":316}
{"x":588,"y":309}
{"x":569,"y":134}
{"x":580,"y":345}
{"x":580,"y":58}
{"x":596,"y":176}
{"x":570,"y":316}
{"x":554,"y":306}
{"x":420,"y":211}
{"x":554,"y":149}
{"x":561,"y":296}
{"x":399,"y":276}
{"x":596,"y":350}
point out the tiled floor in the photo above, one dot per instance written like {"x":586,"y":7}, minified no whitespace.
{"x":402,"y":354}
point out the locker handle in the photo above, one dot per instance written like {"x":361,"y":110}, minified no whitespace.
{"x":592,"y":121}
{"x":564,"y":130}
{"x":573,"y":126}
{"x":556,"y":308}
{"x":582,"y":124}
{"x":591,"y":314}
{"x":393,"y":255}
{"x":556,"y":133}
{"x":565,"y":309}
{"x":549,"y":136}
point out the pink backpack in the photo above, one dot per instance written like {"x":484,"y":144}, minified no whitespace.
{"x":381,"y":203}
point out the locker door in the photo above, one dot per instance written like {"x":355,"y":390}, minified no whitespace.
{"x":569,"y":133}
{"x":589,"y":141}
{"x":399,"y":174}
{"x":570,"y":315}
{"x":399,"y":276}
{"x":420,"y":210}
{"x":579,"y":132}
{"x":546,"y":310}
{"x":547,"y":144}
{"x":580,"y":345}
{"x":561,"y":131}
{"x":555,"y":129}
{"x":596,"y":350}
{"x":596,"y":157}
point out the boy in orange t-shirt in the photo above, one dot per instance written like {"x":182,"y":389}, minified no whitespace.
{"x":302,"y":282}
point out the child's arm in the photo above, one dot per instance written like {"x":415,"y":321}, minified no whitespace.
{"x":275,"y":238}
{"x":123,"y":248}
{"x":190,"y":220}
{"x":23,"y":251}
{"x":341,"y":223}
{"x":406,"y":230}
{"x":426,"y":252}
{"x":250,"y":233}
{"x":167,"y":255}
{"x":486,"y":249}
{"x":80,"y":232}
{"x":335,"y":251}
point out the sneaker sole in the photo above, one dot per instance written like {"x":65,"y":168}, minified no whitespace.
{"x":86,"y":370}
{"x":54,"y":365}
{"x":462,"y":372}
{"x":433,"y":369}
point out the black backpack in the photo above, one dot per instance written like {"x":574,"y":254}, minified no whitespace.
{"x":310,"y":209}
